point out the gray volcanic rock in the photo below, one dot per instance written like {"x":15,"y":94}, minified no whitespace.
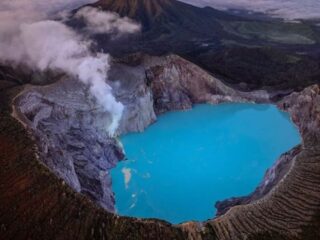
{"x":71,"y":135}
{"x":304,"y":109}
{"x":131,"y":90}
{"x":178,"y":84}
{"x":71,"y":129}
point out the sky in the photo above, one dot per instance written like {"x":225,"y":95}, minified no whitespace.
{"x":287,"y":9}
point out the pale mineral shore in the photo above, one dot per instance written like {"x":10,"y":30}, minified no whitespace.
{"x":72,"y":142}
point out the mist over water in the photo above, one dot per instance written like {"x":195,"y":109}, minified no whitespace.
{"x":180,"y":166}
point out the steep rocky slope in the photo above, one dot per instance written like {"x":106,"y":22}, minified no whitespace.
{"x":37,"y":205}
{"x":62,"y":126}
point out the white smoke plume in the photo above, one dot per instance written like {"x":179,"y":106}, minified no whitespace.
{"x":46,"y":44}
{"x":98,"y":21}
{"x":287,"y":9}
{"x":40,"y":7}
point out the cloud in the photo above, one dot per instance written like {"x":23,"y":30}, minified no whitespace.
{"x":287,"y":9}
{"x":29,"y":37}
{"x":42,"y":7}
{"x":98,"y":21}
{"x":62,"y":49}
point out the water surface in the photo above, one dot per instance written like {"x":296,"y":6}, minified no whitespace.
{"x":181,"y":165}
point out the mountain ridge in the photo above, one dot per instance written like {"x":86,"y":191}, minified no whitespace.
{"x":161,"y":12}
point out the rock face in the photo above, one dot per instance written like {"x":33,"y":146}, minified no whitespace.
{"x":69,"y":133}
{"x":131,"y":90}
{"x":305,"y":109}
{"x":71,"y":137}
{"x":70,"y":128}
{"x":178,"y":84}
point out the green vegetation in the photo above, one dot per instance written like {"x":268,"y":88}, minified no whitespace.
{"x":279,"y":32}
{"x":262,"y":67}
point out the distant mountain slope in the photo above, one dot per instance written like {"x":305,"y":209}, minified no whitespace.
{"x":166,"y":15}
{"x":164,"y":18}
{"x":258,"y":53}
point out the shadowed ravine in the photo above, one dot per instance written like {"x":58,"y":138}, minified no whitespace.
{"x":36,"y":204}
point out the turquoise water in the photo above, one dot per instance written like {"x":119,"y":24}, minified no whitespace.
{"x":181,"y":165}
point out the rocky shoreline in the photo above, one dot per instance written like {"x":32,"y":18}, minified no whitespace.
{"x":69,"y":133}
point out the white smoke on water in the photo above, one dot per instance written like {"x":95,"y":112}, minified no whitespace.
{"x":46,"y":44}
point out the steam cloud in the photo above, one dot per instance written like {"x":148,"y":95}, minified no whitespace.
{"x":46,"y":44}
{"x":98,"y":21}
{"x":287,"y":9}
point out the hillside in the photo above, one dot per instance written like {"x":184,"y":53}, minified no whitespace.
{"x":270,"y":53}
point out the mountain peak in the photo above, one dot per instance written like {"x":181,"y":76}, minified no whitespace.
{"x":161,"y":15}
{"x":133,"y":8}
